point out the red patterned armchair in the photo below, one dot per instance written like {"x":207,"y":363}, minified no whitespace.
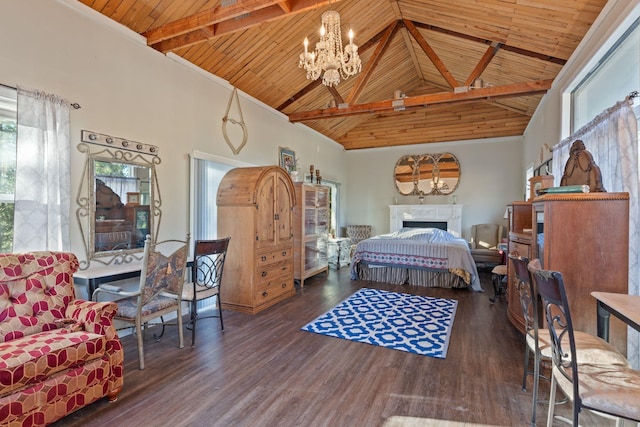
{"x":57,"y":353}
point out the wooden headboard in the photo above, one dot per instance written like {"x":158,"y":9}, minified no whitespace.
{"x":108,"y":203}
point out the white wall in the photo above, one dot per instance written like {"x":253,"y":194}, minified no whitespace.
{"x":129,"y":90}
{"x":492,"y":176}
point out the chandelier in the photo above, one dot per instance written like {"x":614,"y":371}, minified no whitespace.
{"x":329,"y":58}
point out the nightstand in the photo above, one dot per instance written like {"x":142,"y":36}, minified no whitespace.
{"x":338,"y":251}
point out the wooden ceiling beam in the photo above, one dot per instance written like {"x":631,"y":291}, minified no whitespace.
{"x":412,"y":53}
{"x":233,"y":16}
{"x":285,"y":6}
{"x":218,"y":29}
{"x":435,"y":59}
{"x":365,"y":75}
{"x":336,"y":95}
{"x":446,"y":98}
{"x":302,"y":92}
{"x":483,"y":63}
{"x":406,"y":37}
{"x":185,"y":40}
{"x":503,"y":46}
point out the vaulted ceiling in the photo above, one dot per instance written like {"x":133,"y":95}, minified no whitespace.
{"x":432,"y":51}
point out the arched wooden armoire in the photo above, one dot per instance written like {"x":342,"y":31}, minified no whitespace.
{"x":255,"y":209}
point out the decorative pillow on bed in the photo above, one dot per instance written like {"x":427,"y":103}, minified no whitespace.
{"x":429,"y":234}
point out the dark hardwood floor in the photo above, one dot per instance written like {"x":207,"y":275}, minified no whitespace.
{"x":264,"y":371}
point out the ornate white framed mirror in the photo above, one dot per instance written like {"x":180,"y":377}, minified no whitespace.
{"x":118,"y":198}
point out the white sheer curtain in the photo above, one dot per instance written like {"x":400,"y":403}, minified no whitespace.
{"x":612,"y":139}
{"x":207,"y":176}
{"x":42,"y":194}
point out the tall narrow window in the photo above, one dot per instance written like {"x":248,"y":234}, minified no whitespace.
{"x":7,"y":165}
{"x":615,"y":76}
{"x":206,"y":173}
{"x":334,"y":206}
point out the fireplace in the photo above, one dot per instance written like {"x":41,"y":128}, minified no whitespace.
{"x":447,"y":217}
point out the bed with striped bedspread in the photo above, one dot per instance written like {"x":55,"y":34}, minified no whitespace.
{"x":416,"y":256}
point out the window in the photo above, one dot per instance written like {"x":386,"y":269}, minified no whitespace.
{"x":206,"y":173}
{"x":334,"y":206}
{"x":528,"y":175}
{"x":614,"y":77}
{"x":8,"y":134}
{"x":119,"y":177}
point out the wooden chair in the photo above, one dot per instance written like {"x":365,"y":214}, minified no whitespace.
{"x":536,"y":341}
{"x":598,"y":377}
{"x":206,"y":279}
{"x":161,"y":282}
{"x":356,"y":234}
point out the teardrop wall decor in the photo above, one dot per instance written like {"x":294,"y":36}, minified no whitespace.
{"x":226,"y":119}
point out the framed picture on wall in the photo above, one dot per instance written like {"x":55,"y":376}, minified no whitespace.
{"x":133,"y":198}
{"x":287,"y":158}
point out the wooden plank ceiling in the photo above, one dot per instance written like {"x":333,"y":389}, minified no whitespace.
{"x":427,"y":49}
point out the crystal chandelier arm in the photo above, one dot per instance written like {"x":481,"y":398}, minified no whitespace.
{"x":351,"y":64}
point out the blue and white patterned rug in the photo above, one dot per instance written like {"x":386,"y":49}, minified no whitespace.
{"x":405,"y":322}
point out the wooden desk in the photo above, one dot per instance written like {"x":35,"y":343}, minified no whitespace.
{"x":93,"y":277}
{"x":623,"y":306}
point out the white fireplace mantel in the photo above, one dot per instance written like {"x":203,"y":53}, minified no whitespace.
{"x":452,"y":214}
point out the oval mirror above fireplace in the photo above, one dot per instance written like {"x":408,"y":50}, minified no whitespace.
{"x":405,"y":175}
{"x":427,"y":174}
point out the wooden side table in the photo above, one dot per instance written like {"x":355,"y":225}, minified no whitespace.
{"x":338,"y":251}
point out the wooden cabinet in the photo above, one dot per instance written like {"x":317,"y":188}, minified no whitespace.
{"x":126,"y":229}
{"x":311,"y":230}
{"x":586,"y":238}
{"x":519,"y":223}
{"x":255,"y":209}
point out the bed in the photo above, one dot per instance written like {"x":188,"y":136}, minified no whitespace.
{"x":416,"y":256}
